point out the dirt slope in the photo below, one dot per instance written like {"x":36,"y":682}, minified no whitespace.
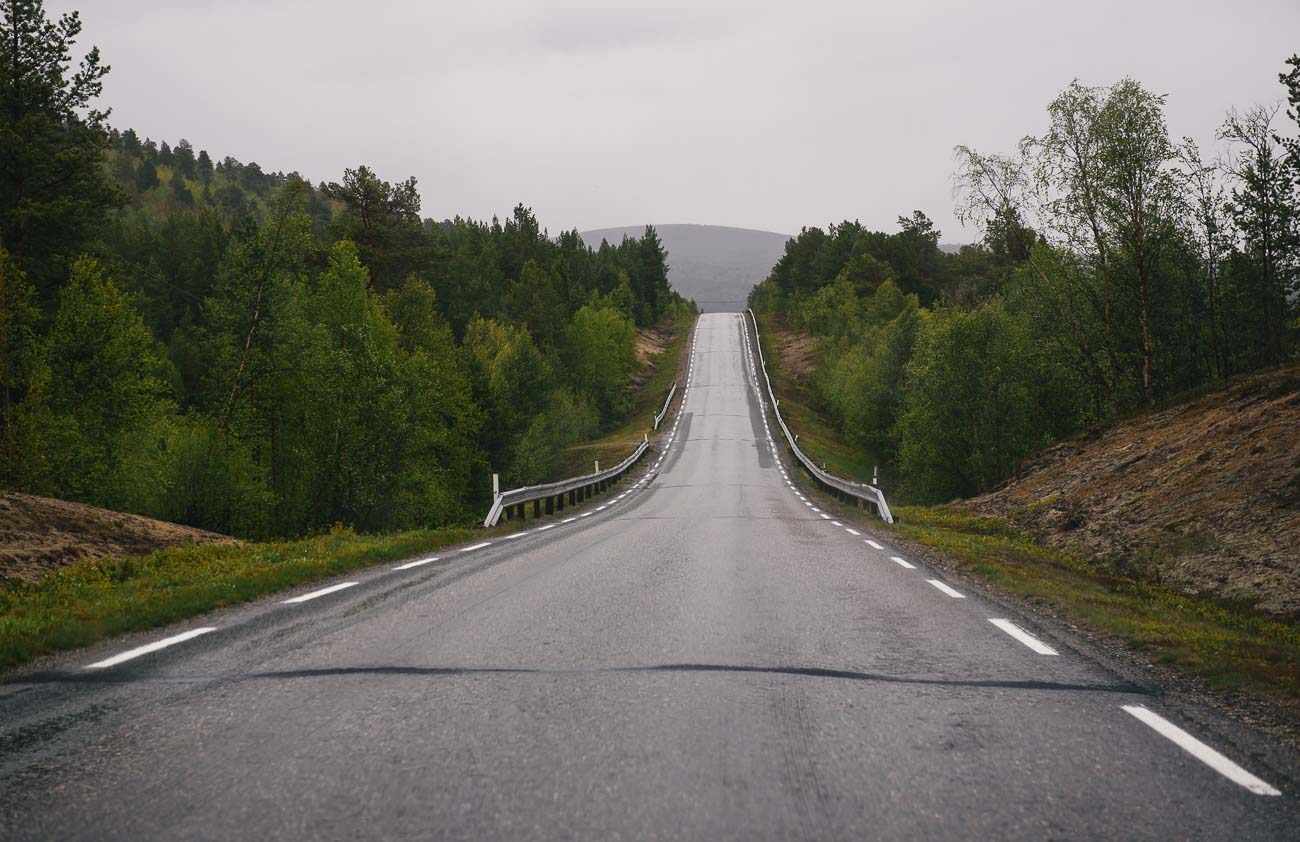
{"x":39,"y":534}
{"x":1203,"y":496}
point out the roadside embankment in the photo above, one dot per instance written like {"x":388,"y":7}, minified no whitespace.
{"x":1202,"y":497}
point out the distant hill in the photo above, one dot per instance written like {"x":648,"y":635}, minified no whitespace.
{"x":713,"y":264}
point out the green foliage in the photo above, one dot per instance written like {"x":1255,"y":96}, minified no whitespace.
{"x":599,"y":355}
{"x":864,"y":386}
{"x":979,"y":395}
{"x":566,"y":421}
{"x":21,"y":399}
{"x":178,"y":469}
{"x":98,"y":374}
{"x":382,"y":219}
{"x":52,"y":139}
{"x":1116,"y":270}
{"x":316,"y":357}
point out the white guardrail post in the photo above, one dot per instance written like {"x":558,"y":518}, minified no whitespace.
{"x":867,"y":493}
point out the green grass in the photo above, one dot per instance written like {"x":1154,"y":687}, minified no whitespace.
{"x":818,"y":437}
{"x":86,"y":602}
{"x":1228,"y":646}
{"x":647,"y":400}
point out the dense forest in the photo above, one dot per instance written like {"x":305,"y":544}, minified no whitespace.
{"x":204,"y":342}
{"x":1118,"y":269}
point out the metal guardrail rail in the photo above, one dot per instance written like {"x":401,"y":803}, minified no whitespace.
{"x":584,"y":485}
{"x":576,"y":487}
{"x":866,"y":493}
{"x":669,"y":400}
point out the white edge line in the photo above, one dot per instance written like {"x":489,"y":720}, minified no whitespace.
{"x":1024,"y":637}
{"x":417,"y":562}
{"x":874,"y":544}
{"x":949,"y":591}
{"x":150,"y":647}
{"x":852,"y":531}
{"x":476,"y":547}
{"x":1201,"y":751}
{"x":901,"y":563}
{"x":322,"y":592}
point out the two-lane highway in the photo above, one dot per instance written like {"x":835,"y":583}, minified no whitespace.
{"x":710,"y":656}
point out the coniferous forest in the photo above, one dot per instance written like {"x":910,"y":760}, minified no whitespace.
{"x":1119,"y":268}
{"x":192,"y":338}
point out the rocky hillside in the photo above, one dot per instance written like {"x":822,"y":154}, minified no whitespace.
{"x":1203,"y":496}
{"x":38,"y":535}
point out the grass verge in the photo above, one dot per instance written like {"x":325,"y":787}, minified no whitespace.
{"x":86,"y":602}
{"x":1230,"y":648}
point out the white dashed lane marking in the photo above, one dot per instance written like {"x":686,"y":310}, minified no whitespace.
{"x":874,"y":544}
{"x":1201,"y":751}
{"x":901,"y":563}
{"x":322,"y":592}
{"x":150,"y":647}
{"x":949,"y":591}
{"x":419,"y":561}
{"x":1024,"y":637}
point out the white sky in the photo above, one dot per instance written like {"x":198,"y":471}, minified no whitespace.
{"x":753,"y":114}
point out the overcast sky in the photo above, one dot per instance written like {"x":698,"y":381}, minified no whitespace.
{"x":759,"y":115}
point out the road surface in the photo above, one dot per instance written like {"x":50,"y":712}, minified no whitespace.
{"x":707,"y":657}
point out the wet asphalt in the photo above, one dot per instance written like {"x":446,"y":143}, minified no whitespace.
{"x":706,"y":657}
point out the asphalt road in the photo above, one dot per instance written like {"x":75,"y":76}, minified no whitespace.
{"x":706,"y":657}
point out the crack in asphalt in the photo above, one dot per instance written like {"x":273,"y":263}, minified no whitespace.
{"x":807,"y":672}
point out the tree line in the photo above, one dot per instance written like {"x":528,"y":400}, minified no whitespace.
{"x":1117,"y":268}
{"x":208,"y":343}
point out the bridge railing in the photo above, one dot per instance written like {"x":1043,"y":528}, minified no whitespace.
{"x":844,"y":488}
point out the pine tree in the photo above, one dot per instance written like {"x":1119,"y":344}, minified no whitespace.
{"x":52,"y":141}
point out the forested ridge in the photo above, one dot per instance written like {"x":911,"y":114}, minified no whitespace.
{"x":1118,"y":268}
{"x":198,"y":340}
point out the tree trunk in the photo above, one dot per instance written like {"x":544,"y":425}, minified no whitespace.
{"x":1144,"y":325}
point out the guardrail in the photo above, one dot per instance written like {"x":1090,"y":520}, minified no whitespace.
{"x":553,"y":494}
{"x":868,"y":494}
{"x":664,"y":411}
